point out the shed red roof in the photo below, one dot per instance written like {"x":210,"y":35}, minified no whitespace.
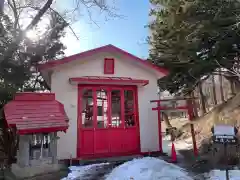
{"x":36,"y":113}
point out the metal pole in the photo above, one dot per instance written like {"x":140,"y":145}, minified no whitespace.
{"x":226,"y":160}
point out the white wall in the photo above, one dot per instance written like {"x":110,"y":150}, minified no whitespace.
{"x":93,"y":66}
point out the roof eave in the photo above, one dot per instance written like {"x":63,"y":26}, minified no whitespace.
{"x":52,"y":64}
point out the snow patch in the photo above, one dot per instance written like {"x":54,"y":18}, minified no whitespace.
{"x":221,"y":175}
{"x":78,"y":172}
{"x":179,"y":145}
{"x":148,"y":168}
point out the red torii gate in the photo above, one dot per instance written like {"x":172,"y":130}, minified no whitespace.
{"x":191,"y":114}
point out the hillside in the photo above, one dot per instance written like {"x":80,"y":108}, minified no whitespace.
{"x":226,"y":113}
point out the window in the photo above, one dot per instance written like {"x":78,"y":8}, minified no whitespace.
{"x":129,"y":108}
{"x":39,"y":146}
{"x":116,"y":108}
{"x":87,"y":108}
{"x":108,"y":66}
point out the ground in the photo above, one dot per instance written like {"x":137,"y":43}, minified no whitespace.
{"x":151,"y":168}
{"x":145,"y":168}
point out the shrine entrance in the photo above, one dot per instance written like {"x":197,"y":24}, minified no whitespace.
{"x":107,"y":121}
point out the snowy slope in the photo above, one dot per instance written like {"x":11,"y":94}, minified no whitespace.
{"x":148,"y":168}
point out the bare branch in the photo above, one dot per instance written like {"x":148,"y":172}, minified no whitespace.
{"x":231,"y":71}
{"x":16,"y":14}
{"x":40,"y":13}
{"x":51,"y":9}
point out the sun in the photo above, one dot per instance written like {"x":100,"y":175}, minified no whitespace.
{"x":32,"y":34}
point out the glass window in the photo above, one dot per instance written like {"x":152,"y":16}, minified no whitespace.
{"x":129,"y":108}
{"x":87,"y":108}
{"x":116,"y":108}
{"x":102,"y":106}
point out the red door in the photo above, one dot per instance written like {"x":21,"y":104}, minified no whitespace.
{"x":108,"y":121}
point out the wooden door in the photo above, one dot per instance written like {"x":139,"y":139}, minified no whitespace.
{"x":109,"y":121}
{"x":116,"y":121}
{"x":86,"y":125}
{"x":101,"y":134}
{"x":131,"y":126}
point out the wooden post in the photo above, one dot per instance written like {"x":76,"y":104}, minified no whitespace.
{"x":226,"y":160}
{"x":191,"y":116}
{"x":160,"y":127}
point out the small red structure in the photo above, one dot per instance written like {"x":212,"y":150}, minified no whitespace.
{"x":36,"y":113}
{"x":188,"y":107}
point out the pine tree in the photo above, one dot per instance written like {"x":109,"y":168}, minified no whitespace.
{"x":193,"y":38}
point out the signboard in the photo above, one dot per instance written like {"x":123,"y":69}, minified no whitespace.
{"x":222,"y":139}
{"x":224,"y":130}
{"x":224,"y":134}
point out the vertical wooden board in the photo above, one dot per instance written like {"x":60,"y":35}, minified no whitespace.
{"x":131,"y":142}
{"x":116,"y":140}
{"x":87,"y":142}
{"x":101,"y":141}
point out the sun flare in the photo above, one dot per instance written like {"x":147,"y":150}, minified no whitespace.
{"x":32,"y":34}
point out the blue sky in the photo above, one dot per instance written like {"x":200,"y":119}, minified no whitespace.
{"x":127,"y":33}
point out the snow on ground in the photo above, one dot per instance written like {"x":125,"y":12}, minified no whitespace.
{"x":221,"y":175}
{"x":148,"y":168}
{"x":79,"y":172}
{"x":179,"y":145}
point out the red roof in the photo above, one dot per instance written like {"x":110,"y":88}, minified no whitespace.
{"x":36,"y":113}
{"x":108,"y":80}
{"x":107,"y":48}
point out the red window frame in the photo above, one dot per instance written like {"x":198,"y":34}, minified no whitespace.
{"x":109,"y":66}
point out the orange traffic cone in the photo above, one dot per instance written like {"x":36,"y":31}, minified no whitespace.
{"x":174,"y":154}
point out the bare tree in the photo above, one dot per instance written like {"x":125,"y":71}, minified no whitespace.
{"x":202,"y":99}
{"x":221,"y":87}
{"x":214,"y":98}
{"x":36,"y":10}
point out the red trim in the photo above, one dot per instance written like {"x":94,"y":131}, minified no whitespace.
{"x":160,"y":129}
{"x":191,"y":117}
{"x":137,"y":117}
{"x":42,"y":130}
{"x":33,"y":96}
{"x":189,"y":109}
{"x":109,"y":66}
{"x":79,"y":120}
{"x":108,"y":48}
{"x":107,"y":80}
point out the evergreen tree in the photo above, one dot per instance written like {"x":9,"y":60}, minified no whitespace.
{"x":193,"y":38}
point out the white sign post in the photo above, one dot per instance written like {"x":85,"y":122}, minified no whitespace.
{"x":224,"y":134}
